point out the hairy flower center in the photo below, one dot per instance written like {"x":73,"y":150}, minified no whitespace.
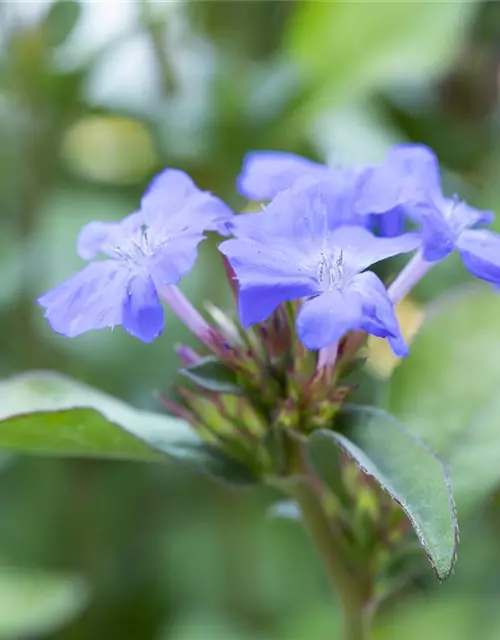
{"x":138,"y":249}
{"x":456,"y":218}
{"x":331,"y":272}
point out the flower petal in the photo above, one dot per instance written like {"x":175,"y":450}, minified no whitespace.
{"x":464,"y":216}
{"x":419,"y":166}
{"x":438,"y":237}
{"x":255,"y":263}
{"x":91,"y":299}
{"x":171,"y":261}
{"x":265,"y":173}
{"x":480,"y":251}
{"x":362,"y":249}
{"x":391,"y":223}
{"x":257,"y":303}
{"x":142,"y":310}
{"x":173,"y":203}
{"x":267,"y":277}
{"x":255,"y":226}
{"x":91,"y":238}
{"x":326,"y":318}
{"x":96,"y":237}
{"x":167,"y":192}
{"x":211,"y":212}
{"x":299,"y":217}
{"x":410,"y":174}
{"x":379,"y":318}
{"x":340,"y":193}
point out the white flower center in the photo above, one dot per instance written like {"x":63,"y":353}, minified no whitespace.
{"x":137,"y":250}
{"x":331,"y":271}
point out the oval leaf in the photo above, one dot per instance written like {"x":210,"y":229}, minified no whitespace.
{"x":446,"y":391}
{"x":47,"y":413}
{"x":406,"y":469}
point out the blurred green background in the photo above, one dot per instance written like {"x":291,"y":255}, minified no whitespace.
{"x":95,"y":97}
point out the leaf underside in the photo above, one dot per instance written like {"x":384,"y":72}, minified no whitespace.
{"x":407,"y":470}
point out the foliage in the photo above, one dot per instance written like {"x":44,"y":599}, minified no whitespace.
{"x":94,"y":100}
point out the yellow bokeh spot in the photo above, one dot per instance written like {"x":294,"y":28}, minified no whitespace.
{"x":381,"y":360}
{"x":252,"y":207}
{"x":109,"y":149}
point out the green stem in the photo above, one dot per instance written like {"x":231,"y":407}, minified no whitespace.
{"x":329,"y":543}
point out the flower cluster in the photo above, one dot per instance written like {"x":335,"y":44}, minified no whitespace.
{"x":301,"y":269}
{"x":313,"y":242}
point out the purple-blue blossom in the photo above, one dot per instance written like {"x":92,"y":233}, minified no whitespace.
{"x":265,"y":173}
{"x":172,"y":192}
{"x":148,"y":252}
{"x":409,"y":178}
{"x":289,"y":252}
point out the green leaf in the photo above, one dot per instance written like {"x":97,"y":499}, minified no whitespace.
{"x":348,"y":47}
{"x":46,"y":413}
{"x":404,"y":467}
{"x":446,"y":391}
{"x":60,"y":21}
{"x":213,"y":375}
{"x":36,"y":603}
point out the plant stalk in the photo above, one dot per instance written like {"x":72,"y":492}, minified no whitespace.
{"x":329,"y":543}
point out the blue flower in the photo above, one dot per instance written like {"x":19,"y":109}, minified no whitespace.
{"x":409,"y":178}
{"x":390,"y":223}
{"x":266,"y":173}
{"x":169,"y":193}
{"x":94,"y":235}
{"x":149,"y":251}
{"x":290,"y":252}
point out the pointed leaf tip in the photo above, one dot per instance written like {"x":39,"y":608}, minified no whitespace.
{"x":404,"y":467}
